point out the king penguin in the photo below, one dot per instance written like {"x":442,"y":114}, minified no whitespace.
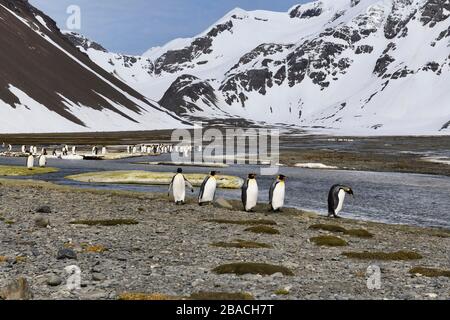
{"x":336,"y":198}
{"x":178,"y":187}
{"x":30,"y":162}
{"x":277,"y":193}
{"x":250,"y":192}
{"x":42,"y":161}
{"x":208,"y":189}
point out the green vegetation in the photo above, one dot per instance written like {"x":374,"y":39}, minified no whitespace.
{"x":145,"y":296}
{"x":361,"y":233}
{"x":252,"y":268}
{"x":152,"y":178}
{"x":329,"y":241}
{"x":430,"y":272}
{"x":242,"y":244}
{"x":263,"y":229}
{"x":244,"y":222}
{"x":399,"y":255}
{"x":107,"y":223}
{"x":17,"y":171}
{"x":221,"y":296}
{"x":282,"y":292}
{"x":327,"y":227}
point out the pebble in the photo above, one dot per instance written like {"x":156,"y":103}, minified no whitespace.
{"x":54,"y":281}
{"x":66,"y":254}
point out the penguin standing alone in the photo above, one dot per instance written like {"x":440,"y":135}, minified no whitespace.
{"x":208,"y":189}
{"x":336,"y":198}
{"x":277,"y":193}
{"x":178,"y":187}
{"x":250,"y":193}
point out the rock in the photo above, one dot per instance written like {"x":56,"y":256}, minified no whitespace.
{"x":222,"y":203}
{"x":18,"y":289}
{"x":66,"y":254}
{"x":44,"y":209}
{"x":54,"y":280}
{"x":42,"y":222}
{"x":197,"y":282}
{"x":96,"y":276}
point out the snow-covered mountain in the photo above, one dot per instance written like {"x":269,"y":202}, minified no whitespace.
{"x":347,"y":66}
{"x":48,"y":85}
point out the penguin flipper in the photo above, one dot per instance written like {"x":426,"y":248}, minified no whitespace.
{"x":202,"y":188}
{"x":272,"y":189}
{"x":244,"y":193}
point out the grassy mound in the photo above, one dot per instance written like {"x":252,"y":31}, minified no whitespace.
{"x":361,"y":233}
{"x":16,"y":171}
{"x":282,"y":292}
{"x":430,"y":272}
{"x":242,"y":244}
{"x":327,"y":227}
{"x":329,"y":241}
{"x":221,"y":296}
{"x":146,"y":296}
{"x":106,"y":223}
{"x":244,"y":222}
{"x":252,"y":268}
{"x":379,"y":255}
{"x":263,"y":229}
{"x":152,"y":178}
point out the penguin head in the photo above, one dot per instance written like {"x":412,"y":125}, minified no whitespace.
{"x":282,"y":177}
{"x":179,"y":170}
{"x":252,"y":175}
{"x":213,"y":173}
{"x":348,"y":190}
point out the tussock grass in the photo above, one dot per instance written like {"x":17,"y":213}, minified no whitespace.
{"x":17,"y":171}
{"x":106,"y":223}
{"x":221,"y":296}
{"x":329,"y":241}
{"x":244,"y":222}
{"x":282,"y":292}
{"x":146,"y":296}
{"x":252,"y":268}
{"x":152,"y":178}
{"x":361,"y":233}
{"x":263,"y":229}
{"x":242,"y":244}
{"x":430,"y":272}
{"x":379,"y":255}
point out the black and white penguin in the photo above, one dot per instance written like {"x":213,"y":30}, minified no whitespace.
{"x":250,"y":192}
{"x":208,"y":189}
{"x":30,"y":162}
{"x":277,"y":193}
{"x":178,"y":187}
{"x":336,"y":198}
{"x":42,"y":161}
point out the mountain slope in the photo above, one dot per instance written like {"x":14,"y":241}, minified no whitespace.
{"x":344,"y":66}
{"x":47,"y":84}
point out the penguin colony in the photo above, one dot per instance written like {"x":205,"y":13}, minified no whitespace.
{"x":250,"y":192}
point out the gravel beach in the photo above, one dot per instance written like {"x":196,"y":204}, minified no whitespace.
{"x":167,"y":249}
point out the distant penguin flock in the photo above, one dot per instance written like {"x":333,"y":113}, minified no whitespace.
{"x":250,"y":191}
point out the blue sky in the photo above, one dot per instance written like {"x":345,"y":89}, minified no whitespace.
{"x":133,"y":26}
